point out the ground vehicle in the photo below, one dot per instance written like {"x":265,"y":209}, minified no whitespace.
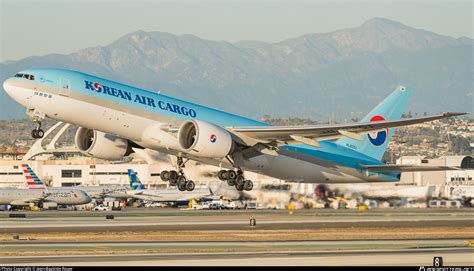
{"x":101,"y":207}
{"x":154,"y":205}
{"x":215,"y":205}
{"x":251,"y":205}
{"x":233,"y":204}
{"x":205,"y":204}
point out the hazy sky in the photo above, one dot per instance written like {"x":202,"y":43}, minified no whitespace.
{"x":39,"y":27}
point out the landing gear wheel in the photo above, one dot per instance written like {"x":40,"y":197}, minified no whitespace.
{"x":181,"y":180}
{"x":190,"y":185}
{"x":248,"y":185}
{"x":173,"y":182}
{"x":173,"y":175}
{"x":239,"y":187}
{"x":231,"y":182}
{"x":231,"y":174}
{"x":40,"y":133}
{"x":37,"y":133}
{"x":240,"y":179}
{"x":222,"y":175}
{"x":182,"y":187}
{"x":165,"y":176}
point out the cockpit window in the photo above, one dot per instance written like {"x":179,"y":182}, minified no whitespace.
{"x":26,"y":76}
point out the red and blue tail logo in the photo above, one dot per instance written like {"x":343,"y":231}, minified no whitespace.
{"x":391,"y":108}
{"x":378,"y":138}
{"x":31,"y":178}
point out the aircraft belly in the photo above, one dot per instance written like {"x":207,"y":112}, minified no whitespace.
{"x":297,"y":170}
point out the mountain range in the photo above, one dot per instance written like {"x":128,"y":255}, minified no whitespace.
{"x":345,"y":72}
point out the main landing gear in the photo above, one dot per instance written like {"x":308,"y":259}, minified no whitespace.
{"x":235,"y":177}
{"x":177,"y":178}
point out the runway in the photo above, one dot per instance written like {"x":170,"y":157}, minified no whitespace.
{"x":184,"y":220}
{"x":411,"y":257}
{"x":183,"y":237}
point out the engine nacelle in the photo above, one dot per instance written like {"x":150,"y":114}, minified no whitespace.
{"x":101,"y":145}
{"x":204,"y":139}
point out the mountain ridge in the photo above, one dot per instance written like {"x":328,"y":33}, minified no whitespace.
{"x":347,"y":71}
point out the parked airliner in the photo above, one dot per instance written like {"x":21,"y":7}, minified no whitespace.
{"x":37,"y":193}
{"x":138,"y":191}
{"x":115,"y":118}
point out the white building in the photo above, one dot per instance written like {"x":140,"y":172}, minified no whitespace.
{"x":445,"y":181}
{"x":62,"y":173}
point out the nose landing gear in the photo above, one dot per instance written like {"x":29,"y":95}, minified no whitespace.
{"x":178,"y":178}
{"x":235,"y":178}
{"x":38,"y":117}
{"x":37,"y":133}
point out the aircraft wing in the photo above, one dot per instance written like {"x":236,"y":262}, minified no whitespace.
{"x":100,"y":195}
{"x":141,"y":194}
{"x":406,"y":168}
{"x":31,"y":200}
{"x":310,"y":134}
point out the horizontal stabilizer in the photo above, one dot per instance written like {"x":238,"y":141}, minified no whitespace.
{"x":405,"y":168}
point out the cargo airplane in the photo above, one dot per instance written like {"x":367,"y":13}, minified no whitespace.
{"x":37,"y":193}
{"x":115,"y":118}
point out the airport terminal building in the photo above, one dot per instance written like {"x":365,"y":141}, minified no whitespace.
{"x":449,"y":184}
{"x":80,"y":170}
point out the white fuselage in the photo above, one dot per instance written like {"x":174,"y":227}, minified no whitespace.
{"x":25,"y":197}
{"x":169,"y":195}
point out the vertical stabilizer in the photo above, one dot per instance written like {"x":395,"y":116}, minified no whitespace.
{"x":392,"y":108}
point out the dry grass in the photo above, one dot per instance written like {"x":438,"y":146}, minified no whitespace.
{"x":257,"y":235}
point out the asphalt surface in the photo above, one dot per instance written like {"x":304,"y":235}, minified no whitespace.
{"x":176,"y":220}
{"x":413,"y":257}
{"x":363,"y":251}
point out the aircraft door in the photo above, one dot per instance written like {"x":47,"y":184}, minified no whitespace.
{"x":65,"y":87}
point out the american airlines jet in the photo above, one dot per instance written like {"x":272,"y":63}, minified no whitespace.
{"x":115,"y":118}
{"x":37,"y":193}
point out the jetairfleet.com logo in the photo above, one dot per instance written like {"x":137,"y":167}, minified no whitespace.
{"x":137,"y":98}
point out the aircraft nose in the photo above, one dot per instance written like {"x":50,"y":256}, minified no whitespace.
{"x":7,"y":86}
{"x":87,"y":197}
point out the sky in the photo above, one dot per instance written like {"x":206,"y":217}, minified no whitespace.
{"x":40,"y":27}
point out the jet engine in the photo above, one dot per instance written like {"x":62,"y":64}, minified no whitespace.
{"x":204,"y":139}
{"x":101,"y":145}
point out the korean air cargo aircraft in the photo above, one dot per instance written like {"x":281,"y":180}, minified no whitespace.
{"x":38,"y":193}
{"x":116,"y":118}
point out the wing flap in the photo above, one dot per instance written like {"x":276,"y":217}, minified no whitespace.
{"x":406,"y":168}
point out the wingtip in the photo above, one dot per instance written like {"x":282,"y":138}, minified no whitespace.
{"x":453,"y":114}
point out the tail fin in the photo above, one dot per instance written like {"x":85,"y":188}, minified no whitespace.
{"x":31,"y":178}
{"x":135,"y":183}
{"x":391,"y":108}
